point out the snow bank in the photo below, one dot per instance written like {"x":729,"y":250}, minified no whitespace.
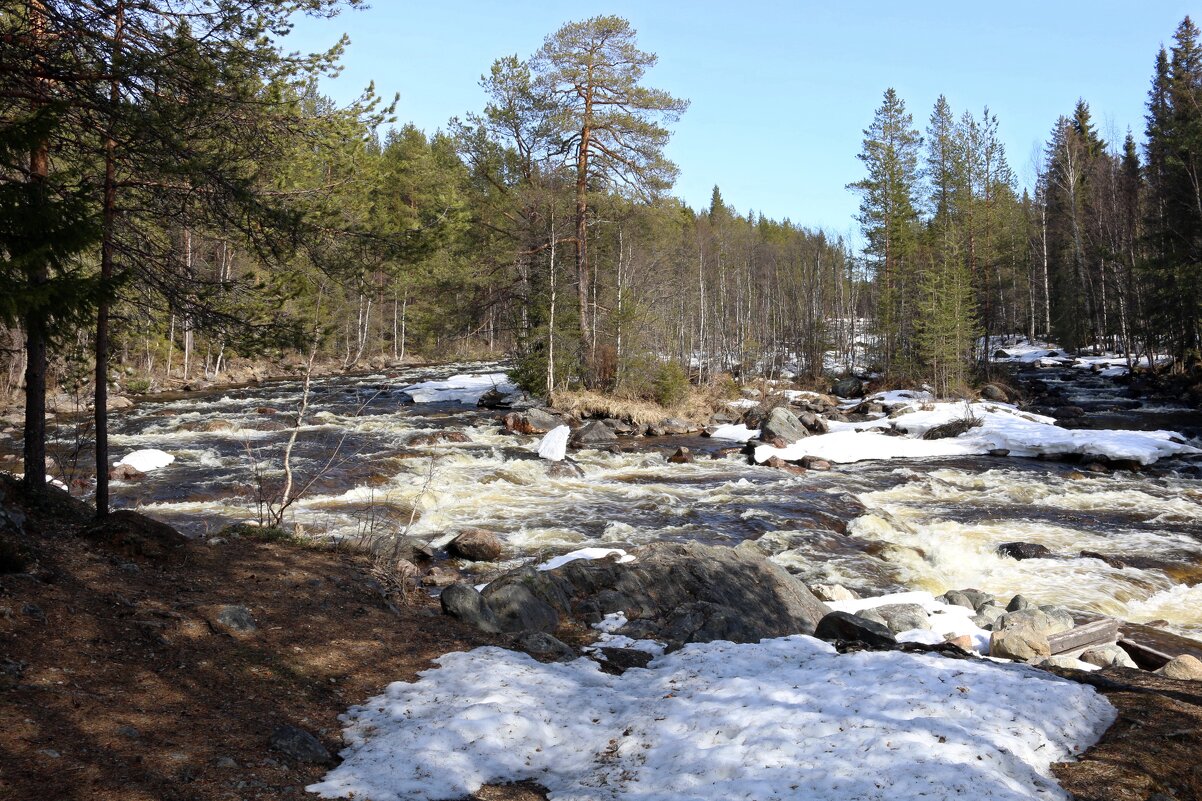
{"x":782,"y":719}
{"x":554,"y":445}
{"x":947,"y":620}
{"x":459,"y":388}
{"x":735,"y":433}
{"x":1003,"y":427}
{"x":146,"y":460}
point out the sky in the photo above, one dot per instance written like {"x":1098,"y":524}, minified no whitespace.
{"x":780,"y":92}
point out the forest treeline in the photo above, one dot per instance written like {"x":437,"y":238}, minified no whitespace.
{"x":177,"y":195}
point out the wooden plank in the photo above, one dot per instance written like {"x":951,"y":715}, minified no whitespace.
{"x":1151,"y":648}
{"x":1089,"y":635}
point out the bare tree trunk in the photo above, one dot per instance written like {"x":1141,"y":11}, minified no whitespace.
{"x":551,"y":317}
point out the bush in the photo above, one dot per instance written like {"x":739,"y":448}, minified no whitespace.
{"x":670,"y":385}
{"x":137,"y":386}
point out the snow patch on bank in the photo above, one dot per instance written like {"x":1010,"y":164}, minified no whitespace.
{"x":784,"y":718}
{"x":465,"y":388}
{"x":1003,"y":427}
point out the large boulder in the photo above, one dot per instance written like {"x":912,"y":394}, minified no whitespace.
{"x":1045,"y":621}
{"x":593,"y":435}
{"x":464,"y":602}
{"x":1184,"y":668}
{"x":531,"y":421}
{"x":898,"y":617}
{"x":477,"y":544}
{"x":674,"y":592}
{"x":780,"y":423}
{"x":1020,"y":643}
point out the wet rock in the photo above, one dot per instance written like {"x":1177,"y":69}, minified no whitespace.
{"x":782,"y":423}
{"x":565,"y":468}
{"x":464,"y":602}
{"x":439,"y":576}
{"x":815,"y":463}
{"x":898,"y":617}
{"x":539,"y":643}
{"x":298,"y":744}
{"x":125,"y":472}
{"x":1019,"y":603}
{"x":1108,"y":656}
{"x":231,"y":619}
{"x":426,"y":440}
{"x":999,"y":452}
{"x":682,"y":456}
{"x":494,"y":399}
{"x":780,"y":464}
{"x":593,"y":435}
{"x":833,"y":592}
{"x":1113,"y":561}
{"x":1023,"y":550}
{"x":1183,"y":668}
{"x":849,"y":387}
{"x":118,"y":403}
{"x":134,"y":534}
{"x":531,"y":421}
{"x":620,"y":427}
{"x":852,"y":628}
{"x":993,"y":392}
{"x":1021,"y":643}
{"x":477,"y":544}
{"x":1068,"y":412}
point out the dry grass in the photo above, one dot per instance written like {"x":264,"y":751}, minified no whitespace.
{"x":697,"y":407}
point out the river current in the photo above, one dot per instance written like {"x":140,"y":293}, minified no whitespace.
{"x":872,"y":526}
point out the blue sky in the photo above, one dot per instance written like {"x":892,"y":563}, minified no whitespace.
{"x":781,"y":91}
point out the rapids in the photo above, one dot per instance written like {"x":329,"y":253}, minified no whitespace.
{"x":873,"y":526}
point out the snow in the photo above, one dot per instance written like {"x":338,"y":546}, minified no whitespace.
{"x":467,"y":388}
{"x":1003,"y":427}
{"x":554,"y":445}
{"x":784,"y":718}
{"x":146,"y":460}
{"x":734,"y":432}
{"x":585,"y":553}
{"x":947,"y":620}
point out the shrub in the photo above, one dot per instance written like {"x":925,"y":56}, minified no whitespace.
{"x":670,"y":385}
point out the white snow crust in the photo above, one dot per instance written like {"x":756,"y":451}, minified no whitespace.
{"x":585,"y":553}
{"x":466,"y":388}
{"x":786,"y":718}
{"x":554,"y":445}
{"x":146,"y":460}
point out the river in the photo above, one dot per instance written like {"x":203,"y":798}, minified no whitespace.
{"x":872,"y":526}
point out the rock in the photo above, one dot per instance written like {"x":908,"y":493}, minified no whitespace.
{"x":1114,"y":562}
{"x":1108,"y":656}
{"x":626,"y":658}
{"x":849,"y":387}
{"x":780,"y":464}
{"x":439,"y":576}
{"x":853,"y":628}
{"x":782,"y":423}
{"x":517,"y":608}
{"x":813,"y":423}
{"x":593,"y":435}
{"x":620,"y":427}
{"x":564,"y":469}
{"x":961,"y":641}
{"x":125,"y":472}
{"x":674,"y":426}
{"x":129,"y":731}
{"x":1021,"y":643}
{"x":477,"y":544}
{"x":134,"y":534}
{"x":1038,"y":620}
{"x":1023,"y":550}
{"x":999,"y":452}
{"x":425,"y":440}
{"x":531,"y":421}
{"x":118,"y":403}
{"x":406,"y":572}
{"x":682,"y":456}
{"x":300,"y":745}
{"x":494,"y":399}
{"x":1019,"y":603}
{"x":972,"y":599}
{"x":814,"y":463}
{"x":677,"y":593}
{"x":1184,"y":668}
{"x":995,"y":393}
{"x":900,"y":617}
{"x":1067,"y":662}
{"x":463,"y":602}
{"x":539,"y":643}
{"x":231,"y":619}
{"x":833,"y":592}
{"x":1068,"y":412}
{"x":987,"y":616}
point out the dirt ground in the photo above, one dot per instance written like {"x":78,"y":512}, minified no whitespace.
{"x":115,"y":685}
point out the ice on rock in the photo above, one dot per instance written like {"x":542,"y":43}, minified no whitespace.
{"x":554,"y":444}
